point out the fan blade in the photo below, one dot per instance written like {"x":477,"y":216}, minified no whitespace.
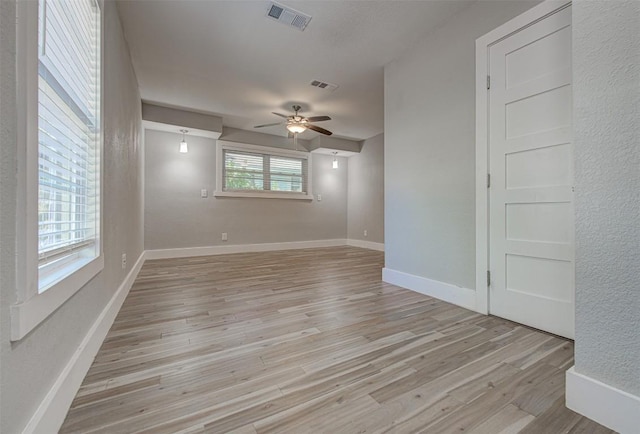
{"x":281,"y":115}
{"x":269,"y":125}
{"x":317,"y":129}
{"x":318,"y":118}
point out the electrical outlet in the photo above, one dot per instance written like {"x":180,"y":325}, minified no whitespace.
{"x":124,"y":261}
{"x":204,"y":193}
{"x":319,"y":197}
{"x":365,"y":232}
{"x":224,"y":236}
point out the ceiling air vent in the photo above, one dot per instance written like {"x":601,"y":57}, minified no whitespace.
{"x":288,"y":16}
{"x":323,"y":85}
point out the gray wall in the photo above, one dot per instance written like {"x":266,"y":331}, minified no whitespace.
{"x":29,"y":367}
{"x":430,"y":148}
{"x":8,"y":186}
{"x":606,"y":94}
{"x":176,"y":216}
{"x":366,"y":192}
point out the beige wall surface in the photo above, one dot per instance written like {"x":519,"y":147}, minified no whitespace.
{"x":177,"y":217}
{"x":429,"y":151}
{"x":366,"y":192}
{"x":29,"y":367}
{"x":606,"y":94}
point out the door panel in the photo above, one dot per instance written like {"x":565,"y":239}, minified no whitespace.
{"x":540,"y":277}
{"x":538,"y":58}
{"x":538,"y":167}
{"x":539,"y":222}
{"x":535,"y":113}
{"x":531,"y":215}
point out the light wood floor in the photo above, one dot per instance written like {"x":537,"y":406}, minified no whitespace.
{"x":312,"y":341}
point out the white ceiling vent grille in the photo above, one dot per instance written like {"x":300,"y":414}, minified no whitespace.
{"x":323,"y":85}
{"x":288,"y":16}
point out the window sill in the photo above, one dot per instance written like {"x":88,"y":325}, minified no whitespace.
{"x":27,"y":315}
{"x":263,"y":195}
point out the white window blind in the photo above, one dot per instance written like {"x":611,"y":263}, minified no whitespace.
{"x":253,"y":171}
{"x":68,"y":137}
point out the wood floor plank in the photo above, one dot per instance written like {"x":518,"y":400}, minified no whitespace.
{"x":470,"y":416}
{"x":509,"y":420}
{"x":587,"y":426}
{"x":314,"y":414}
{"x":312,"y":341}
{"x":557,"y":419}
{"x":405,"y":417}
{"x":474,"y":388}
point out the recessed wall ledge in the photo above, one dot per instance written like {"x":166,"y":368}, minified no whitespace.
{"x":328,"y":145}
{"x":257,"y":138}
{"x":161,"y":118}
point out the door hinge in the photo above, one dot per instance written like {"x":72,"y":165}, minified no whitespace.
{"x":488,"y":180}
{"x":488,"y":82}
{"x":488,"y":278}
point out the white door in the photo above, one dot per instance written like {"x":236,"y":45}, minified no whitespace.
{"x":531,"y":217}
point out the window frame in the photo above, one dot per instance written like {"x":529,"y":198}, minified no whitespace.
{"x":32,"y":307}
{"x":223,"y":145}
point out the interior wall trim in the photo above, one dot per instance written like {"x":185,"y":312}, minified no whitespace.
{"x":54,"y":407}
{"x":366,"y":244}
{"x":457,"y":295}
{"x":188,"y":252}
{"x":611,"y":407}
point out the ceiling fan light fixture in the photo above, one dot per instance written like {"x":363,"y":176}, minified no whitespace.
{"x":297,"y":124}
{"x":335,"y":160}
{"x":296,"y":128}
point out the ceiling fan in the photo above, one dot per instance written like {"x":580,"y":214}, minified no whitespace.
{"x":297,"y":124}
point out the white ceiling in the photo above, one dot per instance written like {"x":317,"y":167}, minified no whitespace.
{"x":227,"y":58}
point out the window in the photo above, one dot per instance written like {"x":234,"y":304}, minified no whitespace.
{"x":258,"y":171}
{"x":68,"y":137}
{"x":59,"y":73}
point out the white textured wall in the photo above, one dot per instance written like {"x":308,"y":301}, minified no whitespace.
{"x":29,"y":367}
{"x":176,"y":216}
{"x":366,"y":192}
{"x":429,"y":150}
{"x":606,"y":69}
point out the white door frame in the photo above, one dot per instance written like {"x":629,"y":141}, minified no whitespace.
{"x":483,"y":45}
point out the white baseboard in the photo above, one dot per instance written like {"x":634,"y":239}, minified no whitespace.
{"x":457,"y":295}
{"x":611,"y":407}
{"x":188,"y":252}
{"x":366,"y":244}
{"x":54,"y":407}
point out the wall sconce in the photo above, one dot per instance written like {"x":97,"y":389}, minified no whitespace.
{"x":183,"y":144}
{"x":335,"y":160}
